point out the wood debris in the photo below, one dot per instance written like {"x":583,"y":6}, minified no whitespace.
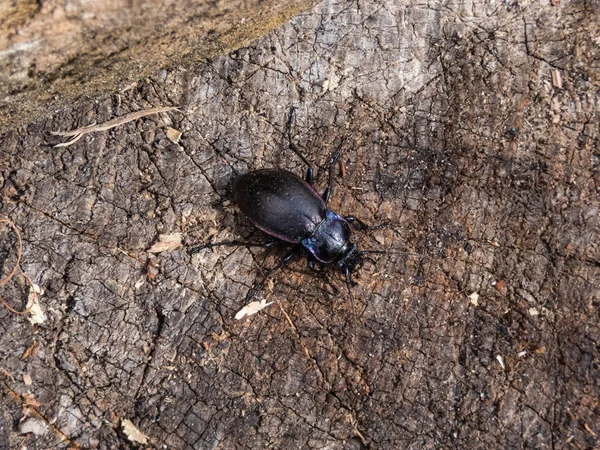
{"x":37,"y":316}
{"x":166,"y":242}
{"x":556,"y":79}
{"x":474,"y":298}
{"x":132,"y":433}
{"x":33,"y":425}
{"x":152,"y":267}
{"x":500,"y":361}
{"x":252,"y":308}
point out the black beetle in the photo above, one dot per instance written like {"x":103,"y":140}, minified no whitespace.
{"x":289,"y":209}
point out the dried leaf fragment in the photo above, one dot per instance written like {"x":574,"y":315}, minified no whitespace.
{"x":132,"y":433}
{"x":29,"y":400}
{"x":219,"y":337}
{"x":27,"y":379}
{"x":166,"y":242}
{"x":502,"y":287}
{"x":173,"y":135}
{"x":541,"y":350}
{"x":252,"y":308}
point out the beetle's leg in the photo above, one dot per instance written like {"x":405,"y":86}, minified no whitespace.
{"x":332,"y":162}
{"x":197,"y":248}
{"x":349,"y":281}
{"x":309,"y":172}
{"x":270,"y":272}
{"x":322,"y":274}
{"x":363,"y":226}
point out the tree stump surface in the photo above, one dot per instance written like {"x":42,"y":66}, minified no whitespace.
{"x":474,"y":137}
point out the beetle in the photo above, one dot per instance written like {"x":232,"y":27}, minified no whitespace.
{"x":289,"y":209}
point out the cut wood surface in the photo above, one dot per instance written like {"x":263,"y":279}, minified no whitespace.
{"x":474,"y":138}
{"x":56,"y":52}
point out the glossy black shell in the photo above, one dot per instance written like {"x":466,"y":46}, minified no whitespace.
{"x":280,"y":203}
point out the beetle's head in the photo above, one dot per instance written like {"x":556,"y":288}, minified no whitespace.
{"x":349,"y":261}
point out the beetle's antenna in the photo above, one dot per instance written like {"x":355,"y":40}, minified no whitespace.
{"x":349,"y":283}
{"x":419,"y":255}
{"x":288,"y":132}
{"x":197,"y":248}
{"x":363,"y":226}
{"x":387,"y":252}
{"x":371,"y":260}
{"x":334,"y":159}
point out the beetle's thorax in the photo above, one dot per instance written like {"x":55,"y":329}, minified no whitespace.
{"x":329,"y":238}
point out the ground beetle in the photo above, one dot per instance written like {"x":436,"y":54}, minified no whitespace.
{"x":289,"y":209}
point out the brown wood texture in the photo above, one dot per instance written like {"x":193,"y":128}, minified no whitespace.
{"x":474,"y":138}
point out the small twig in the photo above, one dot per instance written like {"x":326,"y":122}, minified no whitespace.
{"x":80,"y":132}
{"x":15,"y":269}
{"x":8,"y":374}
{"x":71,"y":142}
{"x":287,"y":316}
{"x":14,"y":311}
{"x":289,"y":319}
{"x":589,"y":430}
{"x":357,"y":432}
{"x":31,"y":350}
